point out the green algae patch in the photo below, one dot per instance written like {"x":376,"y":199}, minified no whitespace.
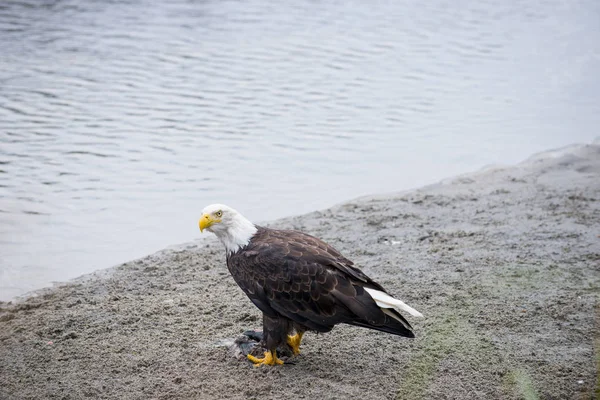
{"x":522,"y":383}
{"x":447,"y":343}
{"x":437,"y":345}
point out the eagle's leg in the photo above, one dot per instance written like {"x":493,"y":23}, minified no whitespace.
{"x":294,"y":342}
{"x":274,"y":333}
{"x":270,"y":358}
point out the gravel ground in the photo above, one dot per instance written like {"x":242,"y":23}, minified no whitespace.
{"x":504,"y":264}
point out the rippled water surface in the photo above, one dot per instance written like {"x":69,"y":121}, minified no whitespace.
{"x":121,"y":120}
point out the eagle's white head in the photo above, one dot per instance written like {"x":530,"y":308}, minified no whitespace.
{"x":232,"y":229}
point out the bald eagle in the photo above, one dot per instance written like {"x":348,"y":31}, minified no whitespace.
{"x":300,"y":283}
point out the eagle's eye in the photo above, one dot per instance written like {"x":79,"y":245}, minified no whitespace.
{"x":219,"y":214}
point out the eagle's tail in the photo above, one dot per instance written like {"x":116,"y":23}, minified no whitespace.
{"x":394,"y":322}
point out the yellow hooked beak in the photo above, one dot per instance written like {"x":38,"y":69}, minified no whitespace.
{"x":206,"y":221}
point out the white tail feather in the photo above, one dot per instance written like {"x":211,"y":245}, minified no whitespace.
{"x":384,"y":300}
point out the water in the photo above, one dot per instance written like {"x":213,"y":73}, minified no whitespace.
{"x":120,"y":121}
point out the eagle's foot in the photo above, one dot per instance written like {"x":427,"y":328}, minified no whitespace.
{"x":294,"y":342}
{"x":270,"y":358}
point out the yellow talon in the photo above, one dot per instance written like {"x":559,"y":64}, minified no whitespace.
{"x":294,"y":342}
{"x":269,"y":359}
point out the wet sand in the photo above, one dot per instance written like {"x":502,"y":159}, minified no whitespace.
{"x":504,"y":263}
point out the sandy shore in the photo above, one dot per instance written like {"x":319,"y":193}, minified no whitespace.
{"x":504,"y":264}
